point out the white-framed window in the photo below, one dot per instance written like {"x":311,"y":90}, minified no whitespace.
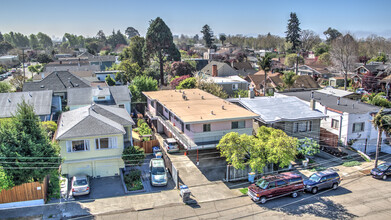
{"x":358,"y":127}
{"x":121,"y":106}
{"x":77,"y":146}
{"x":235,"y":86}
{"x":206,"y":127}
{"x":106,"y":143}
{"x":237,"y":124}
{"x":302,"y":126}
{"x":335,"y":123}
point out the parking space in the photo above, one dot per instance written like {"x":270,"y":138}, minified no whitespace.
{"x":211,"y":165}
{"x":147,"y":180}
{"x":103,"y":187}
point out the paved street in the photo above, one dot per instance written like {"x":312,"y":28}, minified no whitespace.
{"x":362,"y":197}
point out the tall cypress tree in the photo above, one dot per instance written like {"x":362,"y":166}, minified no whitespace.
{"x":208,"y":36}
{"x":293,"y":32}
{"x":159,"y":44}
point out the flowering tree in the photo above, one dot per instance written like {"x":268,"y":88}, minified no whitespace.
{"x":175,"y":82}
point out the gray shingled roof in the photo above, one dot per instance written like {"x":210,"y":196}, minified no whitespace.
{"x":83,"y":96}
{"x":57,"y":81}
{"x":40,"y":100}
{"x":92,"y":120}
{"x":346,"y":105}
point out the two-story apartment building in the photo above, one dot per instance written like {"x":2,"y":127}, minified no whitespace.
{"x":119,"y":96}
{"x":197,"y":119}
{"x":348,"y":121}
{"x":289,"y":114}
{"x":92,"y":139}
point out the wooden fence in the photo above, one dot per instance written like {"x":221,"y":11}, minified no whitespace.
{"x":25,"y":192}
{"x":146,"y":145}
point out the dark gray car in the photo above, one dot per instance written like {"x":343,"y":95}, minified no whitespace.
{"x":322,"y":180}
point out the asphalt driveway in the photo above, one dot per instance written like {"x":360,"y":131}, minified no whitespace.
{"x":104,"y":187}
{"x":147,"y":181}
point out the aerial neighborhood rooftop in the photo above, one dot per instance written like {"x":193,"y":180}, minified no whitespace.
{"x":192,"y":122}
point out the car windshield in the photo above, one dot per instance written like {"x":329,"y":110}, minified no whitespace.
{"x":382,"y":167}
{"x":262,"y":183}
{"x":158,"y":171}
{"x":81,"y":182}
{"x":315,"y":177}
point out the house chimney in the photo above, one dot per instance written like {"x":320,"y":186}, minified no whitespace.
{"x":232,"y":64}
{"x":251,"y":93}
{"x":312,"y":104}
{"x":214,"y":70}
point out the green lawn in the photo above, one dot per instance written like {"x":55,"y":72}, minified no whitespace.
{"x":244,"y":191}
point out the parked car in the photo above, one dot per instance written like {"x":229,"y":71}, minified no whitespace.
{"x":80,"y":185}
{"x":275,"y":186}
{"x":322,"y":180}
{"x":382,"y":171}
{"x":361,"y":91}
{"x":158,"y":172}
{"x":171,"y":145}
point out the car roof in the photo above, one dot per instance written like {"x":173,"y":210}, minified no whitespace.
{"x":326,"y":172}
{"x":282,"y":176}
{"x":387,"y":163}
{"x":170,"y":140}
{"x":157,"y":162}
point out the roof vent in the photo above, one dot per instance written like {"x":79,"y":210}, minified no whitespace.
{"x":9,"y":100}
{"x":211,"y":112}
{"x":188,"y":106}
{"x":222,"y":107}
{"x":30,"y":94}
{"x":202,"y":97}
{"x":42,"y":86}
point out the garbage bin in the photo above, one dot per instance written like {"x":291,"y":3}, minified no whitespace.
{"x":185,"y":193}
{"x":251,"y":177}
{"x":156,"y":150}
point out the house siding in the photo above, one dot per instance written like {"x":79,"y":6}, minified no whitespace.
{"x":228,"y":87}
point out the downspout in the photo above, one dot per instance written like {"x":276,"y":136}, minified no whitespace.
{"x":340,"y":127}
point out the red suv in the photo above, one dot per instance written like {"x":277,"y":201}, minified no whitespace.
{"x":275,"y":186}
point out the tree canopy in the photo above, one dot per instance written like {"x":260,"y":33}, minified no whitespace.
{"x":331,"y":34}
{"x":268,"y":146}
{"x":208,"y":36}
{"x":134,"y":52}
{"x":142,"y":84}
{"x":159,"y":44}
{"x":25,"y":147}
{"x":293,"y":32}
{"x":131,"y":32}
{"x":289,"y":79}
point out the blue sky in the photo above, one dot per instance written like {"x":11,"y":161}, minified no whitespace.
{"x":248,"y":17}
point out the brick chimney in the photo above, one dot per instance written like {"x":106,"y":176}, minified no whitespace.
{"x":214,"y":70}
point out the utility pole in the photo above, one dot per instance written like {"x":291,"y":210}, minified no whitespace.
{"x":24,"y":72}
{"x":297,"y":63}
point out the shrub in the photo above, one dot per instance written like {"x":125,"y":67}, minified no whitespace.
{"x":133,"y":155}
{"x":188,"y":83}
{"x":174,"y":83}
{"x":50,"y":127}
{"x":140,"y":121}
{"x":351,"y":163}
{"x":133,"y":180}
{"x":54,"y":187}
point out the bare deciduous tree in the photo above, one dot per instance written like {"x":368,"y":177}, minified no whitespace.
{"x":309,"y":39}
{"x":344,"y":54}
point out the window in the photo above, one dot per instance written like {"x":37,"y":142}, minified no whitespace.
{"x":335,"y":124}
{"x":188,"y":127}
{"x":272,"y":185}
{"x":358,"y":127}
{"x":153,"y":103}
{"x":101,"y":98}
{"x":80,"y":145}
{"x":106,"y":143}
{"x":237,"y":124}
{"x":121,"y":106}
{"x":165,"y":110}
{"x":235,"y":86}
{"x":362,"y":70}
{"x":206,"y":127}
{"x":281,"y":183}
{"x":302,"y":126}
{"x":295,"y":180}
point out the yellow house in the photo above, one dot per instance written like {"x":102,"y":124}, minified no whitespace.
{"x":92,"y":139}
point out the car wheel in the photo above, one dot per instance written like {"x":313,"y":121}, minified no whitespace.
{"x":314,"y":190}
{"x":335,"y":186}
{"x":384,"y":177}
{"x":294,"y":195}
{"x":263,"y":200}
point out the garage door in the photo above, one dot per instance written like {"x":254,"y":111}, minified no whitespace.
{"x":106,"y":168}
{"x":80,"y":168}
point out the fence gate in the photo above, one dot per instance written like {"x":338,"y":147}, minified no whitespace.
{"x":174,"y":175}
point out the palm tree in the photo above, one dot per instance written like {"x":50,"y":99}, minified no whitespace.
{"x":289,"y":78}
{"x":265,"y":64}
{"x":382,"y":122}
